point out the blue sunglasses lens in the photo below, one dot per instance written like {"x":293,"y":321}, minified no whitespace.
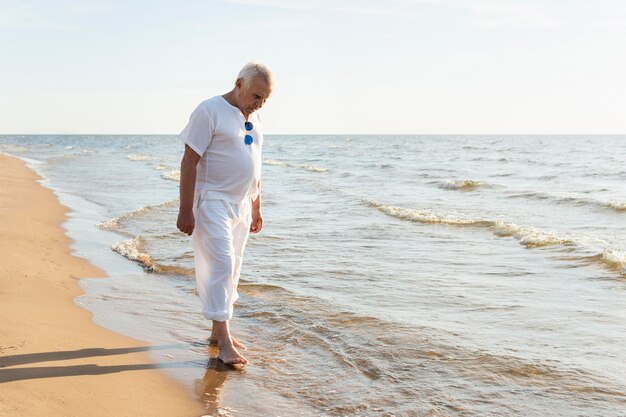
{"x":248,"y":140}
{"x":249,"y":126}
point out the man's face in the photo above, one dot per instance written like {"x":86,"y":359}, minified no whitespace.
{"x":252,"y":97}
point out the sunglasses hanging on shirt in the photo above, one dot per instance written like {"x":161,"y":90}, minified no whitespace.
{"x":248,"y":139}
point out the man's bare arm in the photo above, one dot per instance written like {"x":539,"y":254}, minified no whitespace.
{"x":256,"y":204}
{"x":257,"y":217}
{"x":186,"y":222}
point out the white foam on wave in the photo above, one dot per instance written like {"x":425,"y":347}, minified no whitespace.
{"x":463,"y":185}
{"x":615,"y":258}
{"x":422,"y":216}
{"x":310,"y":167}
{"x":115,"y":223}
{"x":571,"y":200}
{"x":109,"y":224}
{"x":307,"y":167}
{"x":55,"y":158}
{"x":8,"y":147}
{"x":137,"y":157}
{"x":581,"y":201}
{"x":616,"y":205}
{"x":171,"y":174}
{"x":273,"y":162}
{"x":527,"y":236}
{"x":133,"y":249}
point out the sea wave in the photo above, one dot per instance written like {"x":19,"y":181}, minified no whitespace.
{"x":527,"y":236}
{"x":615,"y":259}
{"x":8,"y":147}
{"x":55,"y":158}
{"x":424,"y":216}
{"x":307,"y":167}
{"x":273,"y":162}
{"x":134,"y":249}
{"x":115,"y":222}
{"x":136,"y":157}
{"x":571,"y":200}
{"x":616,"y":205}
{"x":171,"y":174}
{"x":75,"y":148}
{"x":463,"y":185}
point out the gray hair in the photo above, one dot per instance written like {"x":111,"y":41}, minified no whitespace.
{"x":255,"y":69}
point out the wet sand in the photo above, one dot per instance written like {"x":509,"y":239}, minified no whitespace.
{"x":54,"y":360}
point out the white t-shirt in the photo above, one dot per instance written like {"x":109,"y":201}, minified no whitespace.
{"x":228,"y":169}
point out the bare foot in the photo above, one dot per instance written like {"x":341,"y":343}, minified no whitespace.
{"x":230,"y":355}
{"x":213,"y":341}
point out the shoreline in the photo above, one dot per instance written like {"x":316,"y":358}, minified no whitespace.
{"x":54,"y":359}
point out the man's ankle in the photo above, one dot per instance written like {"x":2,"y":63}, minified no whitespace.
{"x":224,"y":342}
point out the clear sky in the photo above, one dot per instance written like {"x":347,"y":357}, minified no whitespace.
{"x":343,"y":66}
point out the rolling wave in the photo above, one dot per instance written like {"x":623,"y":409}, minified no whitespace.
{"x":425,"y":216}
{"x":530,"y":237}
{"x":527,"y":236}
{"x":136,"y":157}
{"x":307,"y":167}
{"x":171,"y":174}
{"x":615,"y":259}
{"x":78,"y":148}
{"x":52,"y":159}
{"x":616,"y":206}
{"x":115,"y":222}
{"x":572,"y":200}
{"x":464,"y":185}
{"x":134,"y":249}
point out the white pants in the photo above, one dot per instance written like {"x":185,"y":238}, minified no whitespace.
{"x":219,"y":239}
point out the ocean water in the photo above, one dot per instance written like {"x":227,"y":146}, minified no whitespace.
{"x":394,"y":276}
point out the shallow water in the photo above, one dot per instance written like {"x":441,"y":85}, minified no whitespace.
{"x":395,"y":275}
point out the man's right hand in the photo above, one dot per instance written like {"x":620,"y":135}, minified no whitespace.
{"x":186,"y":223}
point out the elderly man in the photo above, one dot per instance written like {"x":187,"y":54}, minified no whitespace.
{"x":220,"y":195}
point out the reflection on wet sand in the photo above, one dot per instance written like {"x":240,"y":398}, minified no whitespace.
{"x":209,"y":389}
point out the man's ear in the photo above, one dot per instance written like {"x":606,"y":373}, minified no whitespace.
{"x":239,"y":82}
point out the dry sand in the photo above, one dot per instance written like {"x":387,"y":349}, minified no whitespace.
{"x":54,"y":361}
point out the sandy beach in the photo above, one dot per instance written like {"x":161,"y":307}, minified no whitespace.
{"x":54,"y":360}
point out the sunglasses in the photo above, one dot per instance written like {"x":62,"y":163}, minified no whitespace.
{"x":248,"y":139}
